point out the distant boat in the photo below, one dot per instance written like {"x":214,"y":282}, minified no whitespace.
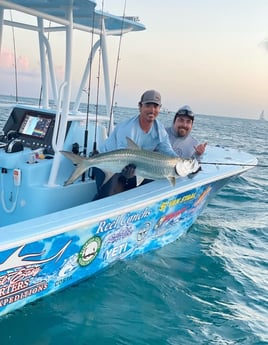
{"x":262,"y":118}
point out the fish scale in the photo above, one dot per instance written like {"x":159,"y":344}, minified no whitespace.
{"x":149,"y":164}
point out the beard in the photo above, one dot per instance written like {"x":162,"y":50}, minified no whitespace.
{"x":182,"y":131}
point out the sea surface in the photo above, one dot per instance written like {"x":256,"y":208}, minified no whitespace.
{"x":208,"y":287}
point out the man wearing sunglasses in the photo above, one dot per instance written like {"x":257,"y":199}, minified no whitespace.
{"x":183,"y":143}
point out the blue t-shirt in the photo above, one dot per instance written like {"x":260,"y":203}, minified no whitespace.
{"x":155,"y":140}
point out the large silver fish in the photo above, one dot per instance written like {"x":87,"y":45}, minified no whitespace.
{"x":149,"y":164}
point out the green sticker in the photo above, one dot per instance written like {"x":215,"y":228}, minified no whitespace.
{"x":89,"y":251}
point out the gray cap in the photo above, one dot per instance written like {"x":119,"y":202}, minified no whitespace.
{"x":185,"y":111}
{"x":151,"y":96}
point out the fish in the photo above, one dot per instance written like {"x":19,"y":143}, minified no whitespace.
{"x":149,"y":164}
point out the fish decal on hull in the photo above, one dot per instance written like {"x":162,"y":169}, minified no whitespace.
{"x":149,"y":164}
{"x":16,"y":259}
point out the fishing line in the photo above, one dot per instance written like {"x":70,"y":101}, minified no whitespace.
{"x":239,"y":164}
{"x":117,"y":64}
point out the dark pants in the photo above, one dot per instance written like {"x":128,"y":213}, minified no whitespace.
{"x":116,"y":184}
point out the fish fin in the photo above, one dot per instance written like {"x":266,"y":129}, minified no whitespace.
{"x":76,"y":159}
{"x":172,"y":181}
{"x":131,"y":144}
{"x":80,"y":166}
{"x":139,"y":180}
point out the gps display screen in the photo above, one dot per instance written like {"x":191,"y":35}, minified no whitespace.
{"x":35,"y":126}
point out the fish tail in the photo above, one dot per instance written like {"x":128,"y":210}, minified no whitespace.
{"x":80,"y":166}
{"x":76,"y":159}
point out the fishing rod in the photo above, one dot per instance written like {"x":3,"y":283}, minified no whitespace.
{"x":117,"y":64}
{"x":239,"y":164}
{"x":94,"y":149}
{"x":88,"y":94}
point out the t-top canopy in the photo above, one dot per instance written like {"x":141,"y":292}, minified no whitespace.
{"x":85,"y":17}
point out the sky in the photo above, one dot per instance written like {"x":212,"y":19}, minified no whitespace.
{"x":210,"y":54}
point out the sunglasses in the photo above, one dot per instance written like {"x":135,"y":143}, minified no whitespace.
{"x":185,"y":112}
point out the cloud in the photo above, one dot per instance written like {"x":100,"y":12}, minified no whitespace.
{"x":7,"y":61}
{"x":23,"y":63}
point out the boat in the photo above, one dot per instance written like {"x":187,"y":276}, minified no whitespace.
{"x":262,"y":117}
{"x":53,"y":236}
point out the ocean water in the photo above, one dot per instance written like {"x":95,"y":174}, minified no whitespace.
{"x":208,"y":287}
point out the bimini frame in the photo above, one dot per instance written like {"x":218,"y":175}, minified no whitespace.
{"x":67,"y":16}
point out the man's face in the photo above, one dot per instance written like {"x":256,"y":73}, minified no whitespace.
{"x":149,"y":111}
{"x":183,"y":125}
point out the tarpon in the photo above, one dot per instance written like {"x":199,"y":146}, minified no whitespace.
{"x":149,"y":164}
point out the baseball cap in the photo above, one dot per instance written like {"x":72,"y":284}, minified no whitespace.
{"x":185,"y":111}
{"x":151,"y":96}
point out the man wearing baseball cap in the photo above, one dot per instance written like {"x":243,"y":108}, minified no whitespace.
{"x":183,"y":143}
{"x":146,"y":131}
{"x":151,"y":96}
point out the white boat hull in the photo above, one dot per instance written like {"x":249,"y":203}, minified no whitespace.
{"x":48,"y":253}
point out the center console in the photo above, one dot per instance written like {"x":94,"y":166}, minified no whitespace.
{"x":28,"y":128}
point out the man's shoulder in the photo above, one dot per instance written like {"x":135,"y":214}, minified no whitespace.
{"x":170,"y":133}
{"x":127,"y":122}
{"x":159,"y":126}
